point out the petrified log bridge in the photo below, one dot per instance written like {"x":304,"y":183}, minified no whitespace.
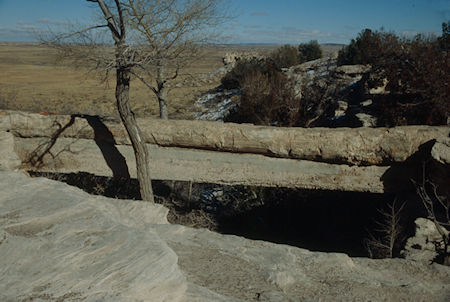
{"x":319,"y":158}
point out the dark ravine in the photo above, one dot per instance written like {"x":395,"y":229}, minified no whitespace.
{"x":61,"y":243}
{"x":330,"y":221}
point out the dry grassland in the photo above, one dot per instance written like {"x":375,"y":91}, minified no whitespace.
{"x":31,"y":80}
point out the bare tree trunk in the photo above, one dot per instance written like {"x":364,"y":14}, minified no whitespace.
{"x":162,"y":99}
{"x":129,"y":121}
{"x":162,"y":90}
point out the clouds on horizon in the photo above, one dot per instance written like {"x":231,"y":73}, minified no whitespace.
{"x":236,"y":32}
{"x":248,"y":33}
{"x":53,"y":22}
{"x":26,"y":30}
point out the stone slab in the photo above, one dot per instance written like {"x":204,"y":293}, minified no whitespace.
{"x":58,"y":243}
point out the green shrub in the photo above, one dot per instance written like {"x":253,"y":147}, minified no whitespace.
{"x":309,"y":51}
{"x":364,"y":50}
{"x":285,"y":56}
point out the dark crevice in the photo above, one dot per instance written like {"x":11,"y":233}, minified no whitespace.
{"x":317,"y":220}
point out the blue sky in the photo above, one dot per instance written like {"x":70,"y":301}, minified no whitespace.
{"x":256,"y":21}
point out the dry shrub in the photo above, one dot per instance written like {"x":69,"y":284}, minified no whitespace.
{"x":268,"y":99}
{"x":418,"y":81}
{"x":436,"y":202}
{"x":243,"y":68}
{"x":417,"y":74}
{"x":390,"y":233}
{"x":287,"y":55}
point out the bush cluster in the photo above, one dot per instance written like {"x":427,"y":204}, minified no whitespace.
{"x":284,"y":57}
{"x":268,"y":99}
{"x":234,"y":78}
{"x":416,"y":71}
{"x":309,"y":51}
{"x":287,"y":55}
{"x":268,"y":96}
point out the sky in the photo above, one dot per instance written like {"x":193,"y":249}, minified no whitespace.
{"x":255,"y":21}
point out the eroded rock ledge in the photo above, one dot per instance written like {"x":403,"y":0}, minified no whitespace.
{"x":61,"y":244}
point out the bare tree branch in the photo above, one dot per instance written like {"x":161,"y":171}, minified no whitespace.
{"x":153,"y":41}
{"x":390,"y":231}
{"x":438,"y":210}
{"x":110,"y":19}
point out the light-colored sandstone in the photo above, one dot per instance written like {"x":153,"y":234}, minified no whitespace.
{"x":58,"y":243}
{"x":422,"y":246}
{"x":441,"y":150}
{"x":353,"y":69}
{"x":8,"y":157}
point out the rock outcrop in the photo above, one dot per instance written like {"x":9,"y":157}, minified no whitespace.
{"x":61,"y":244}
{"x":231,"y":58}
{"x":217,"y":105}
{"x":9,"y":160}
{"x":69,"y":155}
{"x":325,"y":73}
{"x":336,"y":85}
{"x":422,"y":246}
{"x":441,"y":150}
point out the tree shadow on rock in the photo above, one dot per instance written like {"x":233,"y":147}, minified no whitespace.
{"x":113,"y":158}
{"x":36,"y":157}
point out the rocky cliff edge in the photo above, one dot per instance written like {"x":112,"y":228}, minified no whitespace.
{"x":59,"y":243}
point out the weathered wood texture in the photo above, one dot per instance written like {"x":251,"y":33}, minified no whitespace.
{"x":354,"y":146}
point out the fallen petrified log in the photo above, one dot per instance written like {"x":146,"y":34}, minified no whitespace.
{"x":354,"y":146}
{"x":69,"y":155}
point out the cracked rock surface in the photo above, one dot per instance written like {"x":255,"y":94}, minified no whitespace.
{"x":58,"y":243}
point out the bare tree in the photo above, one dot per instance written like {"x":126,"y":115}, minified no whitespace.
{"x":390,"y":230}
{"x":83,"y":49}
{"x":169,"y":35}
{"x":123,"y":63}
{"x":153,"y":40}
